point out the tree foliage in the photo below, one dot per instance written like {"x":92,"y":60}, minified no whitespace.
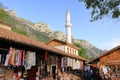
{"x":19,"y":31}
{"x":6,"y":18}
{"x":42,"y":36}
{"x":82,"y":52}
{"x":101,"y":8}
{"x":3,"y":14}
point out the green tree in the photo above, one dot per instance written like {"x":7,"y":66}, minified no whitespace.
{"x":101,"y":8}
{"x":82,"y":52}
{"x":3,"y":14}
{"x":19,"y":31}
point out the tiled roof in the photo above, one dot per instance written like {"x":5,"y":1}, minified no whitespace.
{"x":105,"y":53}
{"x":12,"y":36}
{"x":65,"y":43}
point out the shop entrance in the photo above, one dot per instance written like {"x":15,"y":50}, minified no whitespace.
{"x":118,"y":71}
{"x":54,"y":72}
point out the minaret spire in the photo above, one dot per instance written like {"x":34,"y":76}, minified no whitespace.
{"x":68,"y":27}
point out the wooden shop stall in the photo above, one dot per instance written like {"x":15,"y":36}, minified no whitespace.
{"x":109,"y":61}
{"x":24,"y":57}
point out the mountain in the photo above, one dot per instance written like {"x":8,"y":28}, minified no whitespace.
{"x":41,"y":31}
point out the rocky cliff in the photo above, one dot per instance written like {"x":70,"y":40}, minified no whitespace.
{"x":43,"y":32}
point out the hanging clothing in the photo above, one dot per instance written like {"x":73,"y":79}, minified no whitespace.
{"x":8,"y":56}
{"x":30,"y":59}
{"x":17,"y":57}
{"x":23,"y":58}
{"x":11,"y":60}
{"x":20,"y":58}
{"x":0,"y":58}
{"x":6,"y":61}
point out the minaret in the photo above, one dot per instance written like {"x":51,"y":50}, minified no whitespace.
{"x":68,"y":27}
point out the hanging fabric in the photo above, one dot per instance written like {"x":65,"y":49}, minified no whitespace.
{"x":10,"y":57}
{"x":11,"y":60}
{"x":7,"y":61}
{"x":17,"y":57}
{"x":13,"y":57}
{"x":20,"y":58}
{"x":0,"y":58}
{"x":30,"y":59}
{"x":23,"y":59}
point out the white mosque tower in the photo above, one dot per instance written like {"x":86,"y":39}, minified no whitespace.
{"x":68,"y":27}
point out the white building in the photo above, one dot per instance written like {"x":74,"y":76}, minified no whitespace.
{"x":67,"y":47}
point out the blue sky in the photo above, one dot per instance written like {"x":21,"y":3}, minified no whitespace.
{"x":104,"y":34}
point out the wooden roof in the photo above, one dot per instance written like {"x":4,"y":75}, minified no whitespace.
{"x":64,"y":43}
{"x":104,"y":54}
{"x":12,"y":36}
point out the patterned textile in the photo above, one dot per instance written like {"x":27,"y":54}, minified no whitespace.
{"x":6,"y":61}
{"x":15,"y":57}
{"x":8,"y":56}
{"x":19,"y":57}
{"x":30,"y":59}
